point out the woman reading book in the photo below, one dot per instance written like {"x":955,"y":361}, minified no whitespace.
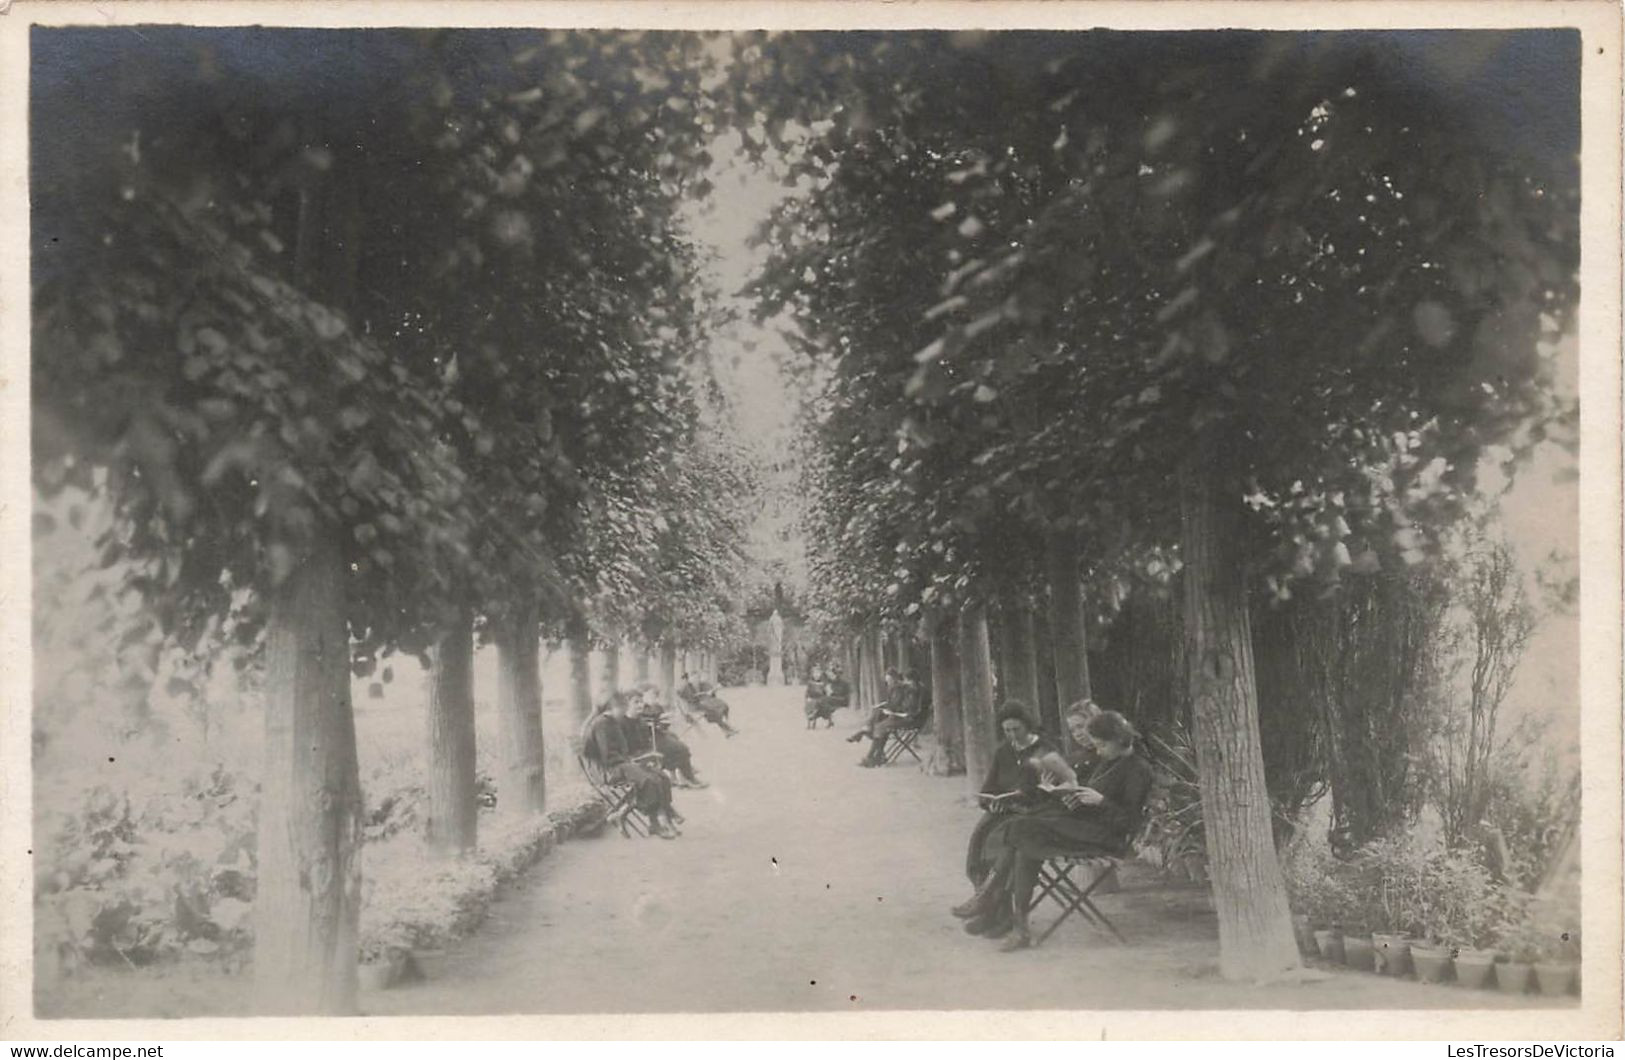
{"x":1022,"y":761}
{"x":1098,"y":816}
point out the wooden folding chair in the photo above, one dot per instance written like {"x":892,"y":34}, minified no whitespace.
{"x":1055,"y":882}
{"x":617,"y":798}
{"x":903,"y":741}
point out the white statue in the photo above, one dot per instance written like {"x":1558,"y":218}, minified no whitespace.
{"x":775,"y":649}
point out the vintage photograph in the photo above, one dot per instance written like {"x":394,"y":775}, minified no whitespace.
{"x":554,"y":521}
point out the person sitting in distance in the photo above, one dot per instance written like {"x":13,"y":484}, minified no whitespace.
{"x":611,"y":740}
{"x":889,"y":694}
{"x":905,"y":711}
{"x":703,"y":699}
{"x":656,"y":735}
{"x":819,"y":705}
{"x":1099,"y":816}
{"x":1021,"y":762}
{"x":837,"y":690}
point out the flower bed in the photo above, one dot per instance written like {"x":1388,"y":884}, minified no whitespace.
{"x":405,"y":908}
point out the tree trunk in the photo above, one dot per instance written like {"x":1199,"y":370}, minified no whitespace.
{"x":1049,"y":702}
{"x":309,"y":834}
{"x":869,"y":661}
{"x":641,"y":666}
{"x":580,"y":639}
{"x":522,"y":788}
{"x":976,"y":693}
{"x":1020,"y":653}
{"x":609,"y":669}
{"x":453,"y":822}
{"x":1255,"y":927}
{"x":1066,"y":620}
{"x":947,"y":713}
{"x":904,"y":651}
{"x":668,"y":672}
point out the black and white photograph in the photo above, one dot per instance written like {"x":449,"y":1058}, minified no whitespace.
{"x":1045,"y":515}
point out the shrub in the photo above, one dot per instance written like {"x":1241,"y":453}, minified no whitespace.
{"x":137,"y":885}
{"x":1325,"y":888}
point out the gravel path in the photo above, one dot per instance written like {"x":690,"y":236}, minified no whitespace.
{"x":803,"y":883}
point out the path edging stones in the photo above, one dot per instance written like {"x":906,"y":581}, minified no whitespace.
{"x":392,"y":949}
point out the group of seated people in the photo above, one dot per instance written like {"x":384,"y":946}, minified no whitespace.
{"x":903,"y":709}
{"x":827,"y":692}
{"x":1039,"y":804}
{"x":629,"y":737}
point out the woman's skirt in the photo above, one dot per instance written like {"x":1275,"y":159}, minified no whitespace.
{"x":1062,"y":831}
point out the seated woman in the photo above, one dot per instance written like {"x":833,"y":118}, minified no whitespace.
{"x":838,"y":691}
{"x":611,"y":741}
{"x":1011,"y":787}
{"x":704,"y":699}
{"x":655,"y":735}
{"x":905,"y":710}
{"x":891,"y":692}
{"x":818,"y":705}
{"x":1099,"y":816}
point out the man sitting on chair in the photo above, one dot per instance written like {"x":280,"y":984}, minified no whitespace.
{"x":611,"y":740}
{"x":905,"y":710}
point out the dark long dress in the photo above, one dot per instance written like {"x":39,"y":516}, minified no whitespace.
{"x":1107,"y":827}
{"x":613,"y":741}
{"x":1012,"y":770}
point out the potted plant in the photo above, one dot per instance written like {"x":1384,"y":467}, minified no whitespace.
{"x":1313,"y":891}
{"x":386,"y":958}
{"x":1433,"y":959}
{"x":1557,"y":963}
{"x":1516,"y":951}
{"x":1475,"y":957}
{"x":1360,"y":911}
{"x":1359,"y":950}
{"x":1375,"y":867}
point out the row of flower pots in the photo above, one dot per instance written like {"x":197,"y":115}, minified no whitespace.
{"x":1398,"y":955}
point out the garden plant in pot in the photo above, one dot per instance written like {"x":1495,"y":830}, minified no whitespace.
{"x":1475,"y":955}
{"x":1392,"y":869}
{"x":1360,"y":912}
{"x":1557,"y":961}
{"x":1456,"y":894}
{"x":1516,"y":951}
{"x":1314,"y":890}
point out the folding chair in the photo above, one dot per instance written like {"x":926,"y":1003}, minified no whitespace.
{"x":1056,"y":882}
{"x":617,"y":798}
{"x":903,"y":741}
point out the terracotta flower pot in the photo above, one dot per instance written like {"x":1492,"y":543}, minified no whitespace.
{"x":1393,"y":953}
{"x":1433,"y":963}
{"x":1474,"y":968}
{"x":1556,"y":979}
{"x":1359,"y":952}
{"x":1330,"y":944}
{"x":1512,"y":977}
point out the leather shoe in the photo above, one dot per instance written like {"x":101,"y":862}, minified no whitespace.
{"x":1018,"y":940}
{"x":992,"y":925}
